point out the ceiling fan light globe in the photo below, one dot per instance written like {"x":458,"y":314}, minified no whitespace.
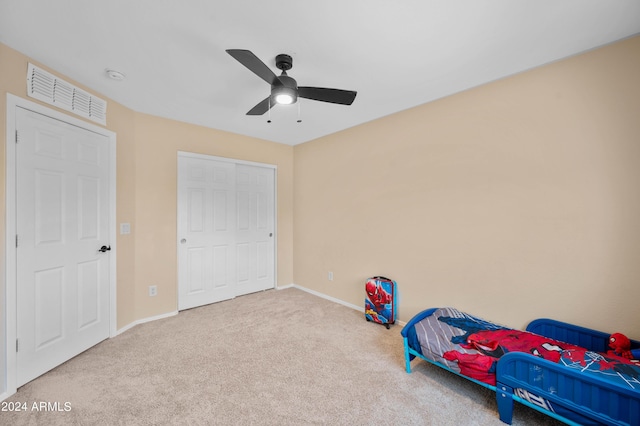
{"x":287,"y":94}
{"x":284,"y":99}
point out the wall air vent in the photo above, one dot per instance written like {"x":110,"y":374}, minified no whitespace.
{"x":48,"y":88}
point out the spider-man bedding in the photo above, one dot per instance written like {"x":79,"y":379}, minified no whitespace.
{"x":561,"y":369}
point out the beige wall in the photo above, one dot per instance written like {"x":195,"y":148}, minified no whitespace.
{"x":13,"y":72}
{"x":146,"y":193}
{"x":515,"y":200}
{"x":157,"y":143}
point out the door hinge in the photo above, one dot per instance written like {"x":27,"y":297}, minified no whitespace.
{"x":16,"y":240}
{"x":17,"y":346}
{"x":17,"y":138}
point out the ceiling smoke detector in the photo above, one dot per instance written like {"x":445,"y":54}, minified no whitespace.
{"x":115,"y":75}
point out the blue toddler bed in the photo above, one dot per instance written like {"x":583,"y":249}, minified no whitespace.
{"x":560,"y":369}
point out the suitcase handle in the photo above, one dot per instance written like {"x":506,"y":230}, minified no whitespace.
{"x":381,"y":278}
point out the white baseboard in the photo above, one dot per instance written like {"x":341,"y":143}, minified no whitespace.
{"x":142,"y":321}
{"x":280,"y":287}
{"x":324,"y":296}
{"x":331,"y":298}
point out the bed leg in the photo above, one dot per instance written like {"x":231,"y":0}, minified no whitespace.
{"x":407,"y":360}
{"x":504,"y":396}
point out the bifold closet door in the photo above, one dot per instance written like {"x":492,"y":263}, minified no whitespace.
{"x":225,"y":229}
{"x":255,"y":228}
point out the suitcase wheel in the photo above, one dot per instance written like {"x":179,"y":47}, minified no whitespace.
{"x":387,"y":325}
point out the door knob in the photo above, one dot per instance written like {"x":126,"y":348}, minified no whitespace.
{"x":104,"y":248}
{"x":182,"y":241}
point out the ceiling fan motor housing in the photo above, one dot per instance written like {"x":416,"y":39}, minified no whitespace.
{"x":285,"y":91}
{"x":284,"y":62}
{"x":288,"y":82}
{"x":288,"y":88}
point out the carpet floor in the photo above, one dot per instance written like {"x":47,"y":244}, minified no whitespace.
{"x":278,"y":357}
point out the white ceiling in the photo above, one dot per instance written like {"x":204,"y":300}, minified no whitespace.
{"x":395,"y":54}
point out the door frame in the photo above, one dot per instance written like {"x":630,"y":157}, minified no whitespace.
{"x":275,"y":208}
{"x":8,"y":290}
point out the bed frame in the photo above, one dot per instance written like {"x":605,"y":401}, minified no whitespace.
{"x":582,"y":398}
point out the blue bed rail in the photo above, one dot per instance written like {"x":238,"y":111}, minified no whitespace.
{"x":592,"y":340}
{"x":565,"y":390}
{"x":550,"y":388}
{"x":505,"y":398}
{"x":411,"y":339}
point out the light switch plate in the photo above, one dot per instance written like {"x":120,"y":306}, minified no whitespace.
{"x":125,"y":229}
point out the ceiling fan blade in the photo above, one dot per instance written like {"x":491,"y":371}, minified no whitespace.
{"x":335,"y":96}
{"x":262,"y":107}
{"x":254,"y":64}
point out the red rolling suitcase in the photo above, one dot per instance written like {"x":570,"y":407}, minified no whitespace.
{"x":380,"y":300}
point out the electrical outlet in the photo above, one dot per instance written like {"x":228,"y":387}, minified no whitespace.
{"x":330,"y":276}
{"x":153,"y":290}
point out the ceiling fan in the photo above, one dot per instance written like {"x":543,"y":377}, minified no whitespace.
{"x":284,"y":89}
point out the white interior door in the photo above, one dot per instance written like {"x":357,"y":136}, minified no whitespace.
{"x":62,"y":220}
{"x":226,"y":227}
{"x":255,"y":228}
{"x":206,"y":230}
